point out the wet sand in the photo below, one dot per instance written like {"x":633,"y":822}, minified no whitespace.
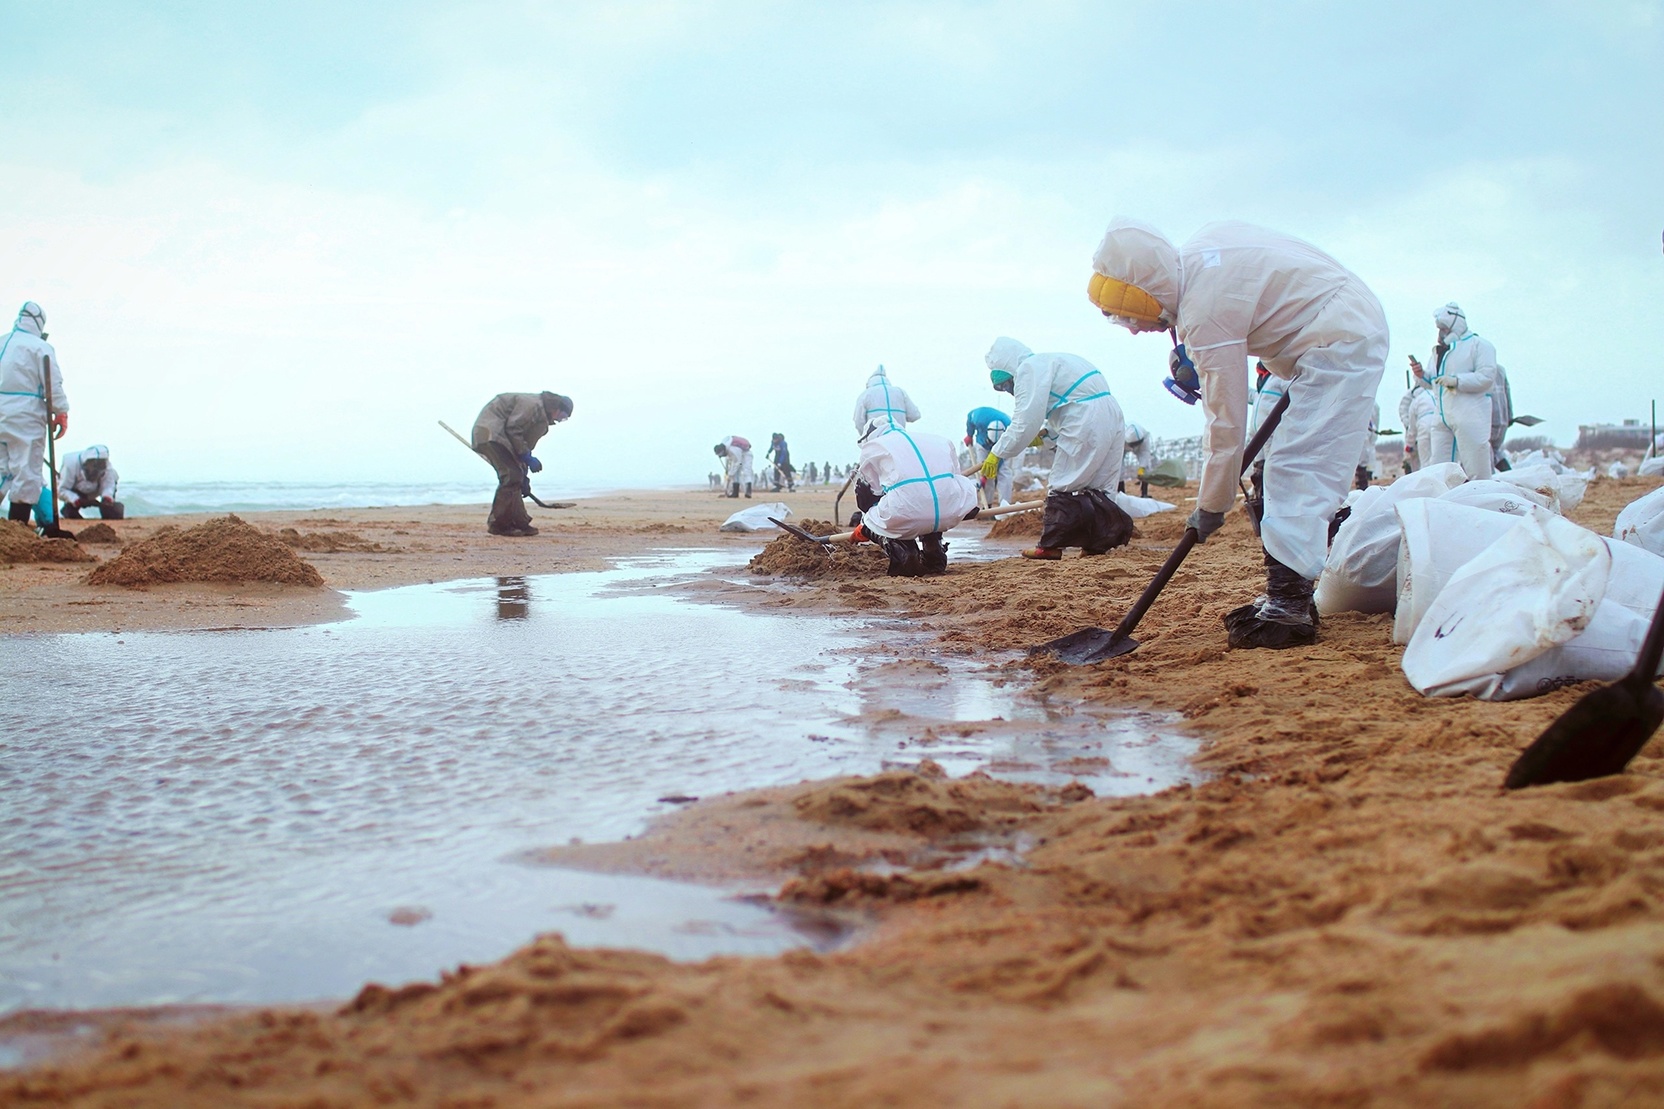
{"x":1349,"y":913}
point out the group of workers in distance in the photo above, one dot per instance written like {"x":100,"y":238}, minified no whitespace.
{"x":1232,"y":294}
{"x":34,"y":406}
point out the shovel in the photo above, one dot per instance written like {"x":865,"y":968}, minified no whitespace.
{"x":528,"y":492}
{"x":1095,"y":644}
{"x":826,"y":541}
{"x":1604,"y":730}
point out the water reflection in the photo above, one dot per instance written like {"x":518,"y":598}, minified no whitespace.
{"x":513,"y":598}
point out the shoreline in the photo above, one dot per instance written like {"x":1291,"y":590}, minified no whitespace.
{"x":1349,"y":911}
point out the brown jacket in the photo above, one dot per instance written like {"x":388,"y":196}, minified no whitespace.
{"x":516,"y":420}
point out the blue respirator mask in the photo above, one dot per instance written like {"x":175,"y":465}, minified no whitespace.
{"x":1182,"y":381}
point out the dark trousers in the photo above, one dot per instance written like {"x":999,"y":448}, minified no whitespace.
{"x":508,"y":507}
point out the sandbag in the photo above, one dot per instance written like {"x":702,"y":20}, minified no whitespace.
{"x":1651,"y":467}
{"x":1439,"y":538}
{"x":1169,"y":473}
{"x":1641,"y":523}
{"x":1534,"y":588}
{"x":1140,"y":507}
{"x":1566,"y":488}
{"x":1500,"y":496}
{"x":1360,"y":573}
{"x":756,"y":517}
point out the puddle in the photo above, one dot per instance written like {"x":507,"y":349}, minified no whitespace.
{"x":282,"y":815}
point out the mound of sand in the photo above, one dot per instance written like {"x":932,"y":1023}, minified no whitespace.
{"x":792,"y":557}
{"x":329,"y":542}
{"x":19,"y":543}
{"x":97,"y":533}
{"x":1019,"y":525}
{"x":224,"y":549}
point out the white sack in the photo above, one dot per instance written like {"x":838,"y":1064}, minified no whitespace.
{"x":1535,"y":588}
{"x":1440,"y":536}
{"x":1540,"y":479}
{"x":1617,"y":470}
{"x":1651,"y":467}
{"x":1359,"y":574}
{"x":756,"y":517}
{"x":1500,"y":496}
{"x":1642,"y":522}
{"x":1140,"y":507}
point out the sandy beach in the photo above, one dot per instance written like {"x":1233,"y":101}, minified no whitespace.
{"x":1348,"y":911}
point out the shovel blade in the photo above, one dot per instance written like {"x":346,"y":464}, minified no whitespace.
{"x":1596,"y":737}
{"x":1087,"y":646}
{"x":797,"y":531}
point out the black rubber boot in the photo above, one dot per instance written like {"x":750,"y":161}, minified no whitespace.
{"x":933,"y":554}
{"x":733,"y":491}
{"x":20,"y":512}
{"x":1256,"y":496}
{"x":1143,"y":487}
{"x":70,"y":512}
{"x":1284,"y":617}
{"x":1360,"y":479}
{"x":748,"y":490}
{"x":904,"y":557}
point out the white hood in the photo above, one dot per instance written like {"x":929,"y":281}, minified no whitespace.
{"x":878,"y":377}
{"x":30,"y":318}
{"x":1135,"y":252}
{"x":1451,"y":320}
{"x":1006,"y":354}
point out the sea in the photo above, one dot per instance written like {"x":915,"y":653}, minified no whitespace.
{"x":153,"y":498}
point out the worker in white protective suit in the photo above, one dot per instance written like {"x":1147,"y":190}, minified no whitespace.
{"x":1268,"y":391}
{"x":735,"y":452}
{"x":29,"y":371}
{"x":1237,"y":291}
{"x":910,"y":491}
{"x":1464,"y":370}
{"x":1502,"y":416}
{"x":88,"y":481}
{"x":1417,"y":412}
{"x":1066,"y":400}
{"x":1368,"y":460}
{"x":1138,"y":444}
{"x":887,"y":402}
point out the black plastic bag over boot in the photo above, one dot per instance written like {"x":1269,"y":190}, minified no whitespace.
{"x":933,"y":554}
{"x":1285,"y":617}
{"x":904,"y":558}
{"x":1089,"y":519}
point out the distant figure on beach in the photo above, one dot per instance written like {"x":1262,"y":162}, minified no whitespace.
{"x":24,"y":380}
{"x":1417,"y":411}
{"x":882,"y":401}
{"x":1464,"y":373}
{"x":735,"y":452}
{"x":505,"y":432}
{"x":983,"y":428}
{"x":88,"y":481}
{"x":781,"y":455}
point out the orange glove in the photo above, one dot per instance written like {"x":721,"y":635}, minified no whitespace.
{"x":60,"y":421}
{"x":861,"y":535}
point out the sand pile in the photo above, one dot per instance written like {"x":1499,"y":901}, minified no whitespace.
{"x":225,"y":549}
{"x":19,"y":543}
{"x":1017,"y":525}
{"x":98,"y":533}
{"x":792,"y":557}
{"x":329,"y":542}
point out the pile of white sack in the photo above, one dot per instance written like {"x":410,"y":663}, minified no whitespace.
{"x":756,"y":517}
{"x":1493,"y":592}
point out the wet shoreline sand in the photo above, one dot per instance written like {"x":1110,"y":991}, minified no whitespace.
{"x":1348,"y":912}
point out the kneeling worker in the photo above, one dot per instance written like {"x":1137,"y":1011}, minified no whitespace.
{"x":1068,"y":399}
{"x":1234,"y":292}
{"x":505,"y":432}
{"x":909,"y":492}
{"x":88,"y":481}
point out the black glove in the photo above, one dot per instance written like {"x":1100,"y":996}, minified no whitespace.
{"x":1205,"y":523}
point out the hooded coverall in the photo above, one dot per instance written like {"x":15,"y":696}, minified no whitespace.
{"x":884,"y":401}
{"x":78,"y":489}
{"x":23,"y":430}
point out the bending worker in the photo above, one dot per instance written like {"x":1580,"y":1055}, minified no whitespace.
{"x":1067,"y":399}
{"x":909,"y":491}
{"x":735,"y":452}
{"x":887,"y":402}
{"x":505,"y":432}
{"x":1463,"y":372}
{"x":983,"y":428}
{"x":25,"y":383}
{"x":1234,"y":292}
{"x":88,"y":481}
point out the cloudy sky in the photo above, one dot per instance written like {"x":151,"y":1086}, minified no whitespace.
{"x":281,"y":240}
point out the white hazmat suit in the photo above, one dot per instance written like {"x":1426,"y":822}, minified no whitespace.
{"x":76,"y":486}
{"x":917,"y":477}
{"x":1418,"y":413}
{"x":886,"y":402}
{"x":1461,"y":385}
{"x":1502,"y":415}
{"x":1138,"y":445}
{"x":24,"y":357}
{"x":1237,"y":291}
{"x":1067,"y":398}
{"x":736,"y":464}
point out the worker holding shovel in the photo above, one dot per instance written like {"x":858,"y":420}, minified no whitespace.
{"x":1235,"y":292}
{"x":33,"y":407}
{"x":505,"y":432}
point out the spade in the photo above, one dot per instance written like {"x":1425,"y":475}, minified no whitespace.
{"x":1604,"y":730}
{"x":1095,"y":644}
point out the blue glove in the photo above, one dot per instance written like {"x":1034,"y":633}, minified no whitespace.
{"x":1205,"y":523}
{"x":531,"y":463}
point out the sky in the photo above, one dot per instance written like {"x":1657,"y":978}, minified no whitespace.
{"x":280,"y":241}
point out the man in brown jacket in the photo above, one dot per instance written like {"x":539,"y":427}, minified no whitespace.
{"x":505,"y":432}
